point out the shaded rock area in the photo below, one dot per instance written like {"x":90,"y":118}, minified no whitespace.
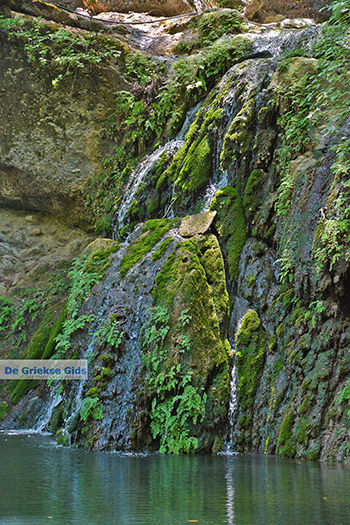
{"x":33,"y":246}
{"x":152,"y":7}
{"x":50,"y":139}
{"x":268,"y":11}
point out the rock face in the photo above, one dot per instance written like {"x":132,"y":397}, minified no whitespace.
{"x":152,"y":7}
{"x":268,"y":11}
{"x":197,"y":224}
{"x":50,"y":139}
{"x":33,"y":246}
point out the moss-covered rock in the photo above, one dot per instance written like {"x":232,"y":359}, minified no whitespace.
{"x":286,"y":445}
{"x":196,"y":169}
{"x":153,"y":231}
{"x":239,"y":136}
{"x":250,"y":354}
{"x":230,"y":224}
{"x":41,"y":346}
{"x":251,"y":198}
{"x":191,"y":286}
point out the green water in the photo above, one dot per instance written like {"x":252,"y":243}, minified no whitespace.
{"x":42,"y":483}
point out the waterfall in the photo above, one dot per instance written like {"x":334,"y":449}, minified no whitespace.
{"x":233,"y":403}
{"x":44,"y":419}
{"x":145,"y":167}
{"x":72,"y":419}
{"x":138,"y":175}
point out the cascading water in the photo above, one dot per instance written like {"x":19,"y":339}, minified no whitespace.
{"x":138,"y":176}
{"x":232,"y":412}
{"x":55,"y":398}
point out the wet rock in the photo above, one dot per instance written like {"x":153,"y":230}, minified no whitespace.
{"x":197,"y":224}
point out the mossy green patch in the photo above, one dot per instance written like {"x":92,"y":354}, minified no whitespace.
{"x":93,"y":392}
{"x":193,"y":279}
{"x":162,"y":248}
{"x":41,"y":346}
{"x":4,"y":409}
{"x":286,"y":443}
{"x":237,"y":141}
{"x":196,"y":168}
{"x":230,"y":224}
{"x":152,"y":232}
{"x":251,"y":195}
{"x":211,"y":26}
{"x":250,"y":354}
{"x":106,"y":358}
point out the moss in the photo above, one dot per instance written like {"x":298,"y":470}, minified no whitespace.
{"x":152,"y":204}
{"x":272,"y":343}
{"x":196,"y":168}
{"x":106,"y":358}
{"x":105,"y":374}
{"x":41,"y":346}
{"x":134,"y":208}
{"x":61,"y":438}
{"x":4,"y":409}
{"x":211,"y":26}
{"x":280,"y":330}
{"x":230,"y":224}
{"x":237,"y":141}
{"x":251,"y":195}
{"x":277,"y":366}
{"x":303,"y":425}
{"x":250,"y":354}
{"x":217,"y":446}
{"x":152,"y":232}
{"x":191,"y":165}
{"x":286,"y":444}
{"x":162,"y":248}
{"x":99,"y":260}
{"x":57,"y":328}
{"x":313,"y":452}
{"x":305,"y":404}
{"x":57,"y":419}
{"x":193,"y":279}
{"x":286,"y":299}
{"x":93,"y":392}
{"x":251,"y":281}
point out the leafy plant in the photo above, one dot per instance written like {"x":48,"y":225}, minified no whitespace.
{"x":345,"y":396}
{"x":322,"y":97}
{"x":109,"y":333}
{"x":86,"y":271}
{"x":91,"y":406}
{"x":141,"y":69}
{"x":176,"y":403}
{"x":314,"y":313}
{"x":60,"y":49}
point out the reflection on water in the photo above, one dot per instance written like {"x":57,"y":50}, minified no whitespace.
{"x":42,"y":483}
